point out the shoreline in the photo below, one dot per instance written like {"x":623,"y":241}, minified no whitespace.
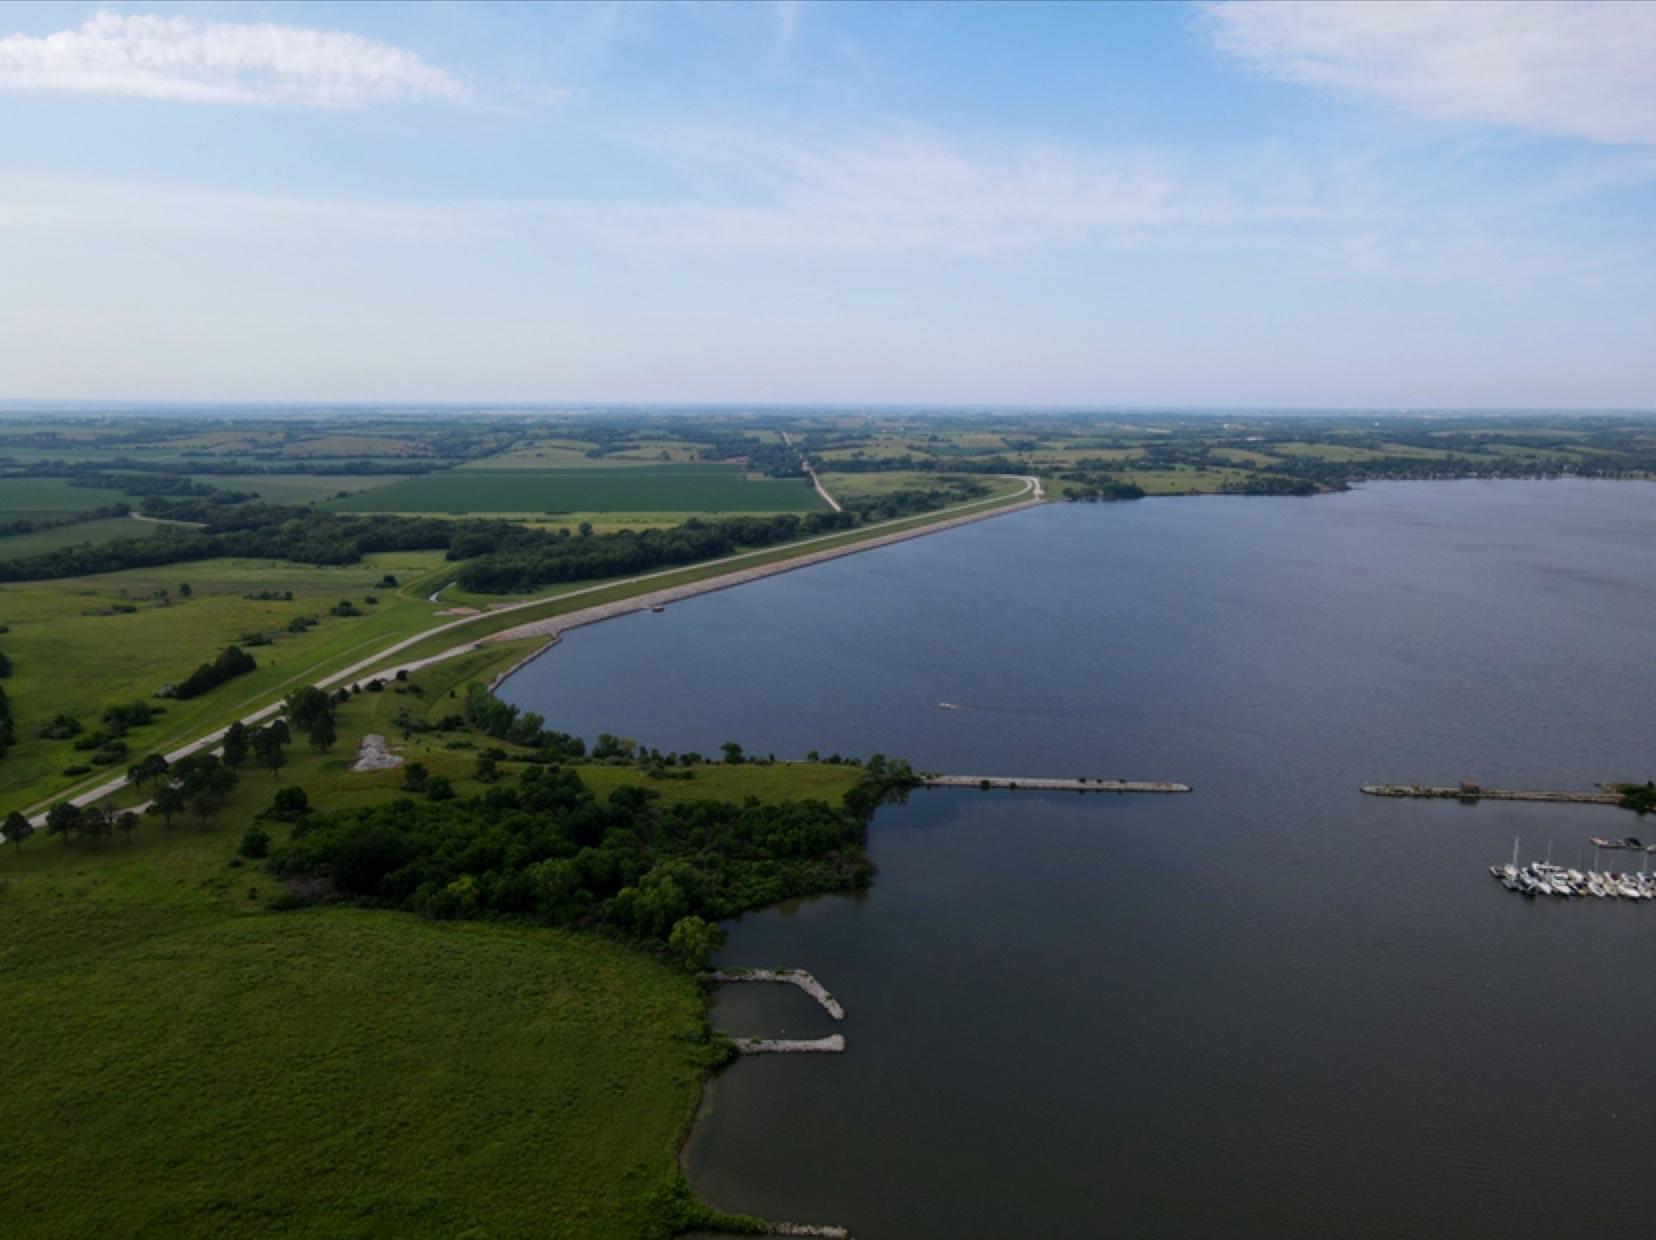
{"x":555,"y":626}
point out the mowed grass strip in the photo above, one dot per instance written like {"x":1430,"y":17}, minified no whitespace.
{"x":647,"y":488}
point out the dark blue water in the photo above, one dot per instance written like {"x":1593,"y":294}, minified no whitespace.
{"x":1274,"y":1007}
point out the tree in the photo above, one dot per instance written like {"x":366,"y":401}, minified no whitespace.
{"x":208,"y":792}
{"x":305,"y":706}
{"x":235,"y":744}
{"x":127,"y":821}
{"x":321,"y":733}
{"x":63,"y":819}
{"x":184,"y":590}
{"x":168,"y":800}
{"x":289,"y":803}
{"x":151,"y":768}
{"x":97,"y":821}
{"x":438,"y":788}
{"x":18,"y":828}
{"x":255,"y":843}
{"x":693,"y":940}
{"x":415,"y":776}
{"x":271,"y":746}
{"x":732,"y":752}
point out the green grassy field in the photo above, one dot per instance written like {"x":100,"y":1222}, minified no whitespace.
{"x":73,"y":653}
{"x":197,"y":1065}
{"x":200,"y":1064}
{"x":636,"y":488}
{"x":110,"y":529}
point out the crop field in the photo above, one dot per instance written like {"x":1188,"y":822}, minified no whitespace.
{"x":33,"y":498}
{"x":110,"y":529}
{"x":684,"y":488}
{"x":302,"y":488}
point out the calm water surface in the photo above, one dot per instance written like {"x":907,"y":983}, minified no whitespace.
{"x":1272,"y":1008}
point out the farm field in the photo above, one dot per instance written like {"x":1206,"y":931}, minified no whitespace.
{"x":303,"y":488}
{"x":109,"y":529}
{"x":47,"y":498}
{"x":682,"y":489}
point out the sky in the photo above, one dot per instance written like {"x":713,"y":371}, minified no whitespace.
{"x":1264,"y":205}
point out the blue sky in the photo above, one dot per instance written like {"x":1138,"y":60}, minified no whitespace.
{"x":1266,"y":205}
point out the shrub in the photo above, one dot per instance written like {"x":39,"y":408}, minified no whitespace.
{"x":255,"y":843}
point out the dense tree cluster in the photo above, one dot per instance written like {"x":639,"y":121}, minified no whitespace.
{"x":233,"y":661}
{"x":519,"y":558}
{"x":1099,"y":488}
{"x":549,"y":849}
{"x":1272,"y":484}
{"x":1640,"y":798}
{"x":249,"y":531}
{"x":505,"y":722}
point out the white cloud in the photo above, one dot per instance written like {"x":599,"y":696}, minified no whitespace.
{"x":1574,"y":69}
{"x":151,"y":57}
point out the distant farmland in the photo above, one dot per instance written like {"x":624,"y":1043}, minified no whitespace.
{"x":651,"y":488}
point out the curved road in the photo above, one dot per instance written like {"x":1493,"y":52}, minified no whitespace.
{"x":550,"y":627}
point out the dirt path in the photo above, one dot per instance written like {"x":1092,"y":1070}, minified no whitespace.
{"x":817,"y":482}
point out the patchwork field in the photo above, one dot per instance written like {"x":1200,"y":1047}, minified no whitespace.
{"x":682,"y":488}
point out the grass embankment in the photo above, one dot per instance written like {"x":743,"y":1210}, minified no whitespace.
{"x":200,"y":1064}
{"x":580,"y":595}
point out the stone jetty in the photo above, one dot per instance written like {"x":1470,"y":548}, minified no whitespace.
{"x":788,"y":977}
{"x":834,"y":1044}
{"x":1038,"y":784}
{"x":1476,"y":792}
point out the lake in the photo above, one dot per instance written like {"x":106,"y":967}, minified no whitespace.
{"x":1272,"y":1007}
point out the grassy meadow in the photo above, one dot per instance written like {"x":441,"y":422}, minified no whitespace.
{"x":199,"y":1065}
{"x":75,"y":650}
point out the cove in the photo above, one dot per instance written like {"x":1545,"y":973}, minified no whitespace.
{"x":1272,"y":1007}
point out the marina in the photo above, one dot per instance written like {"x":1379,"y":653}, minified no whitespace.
{"x":1543,"y":878}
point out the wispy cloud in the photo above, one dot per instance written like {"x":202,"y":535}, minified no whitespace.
{"x":173,"y":58}
{"x":904,"y":191}
{"x":1575,"y":68}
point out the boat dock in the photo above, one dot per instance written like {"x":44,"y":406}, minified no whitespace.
{"x":1037,"y":784}
{"x":1476,"y":792}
